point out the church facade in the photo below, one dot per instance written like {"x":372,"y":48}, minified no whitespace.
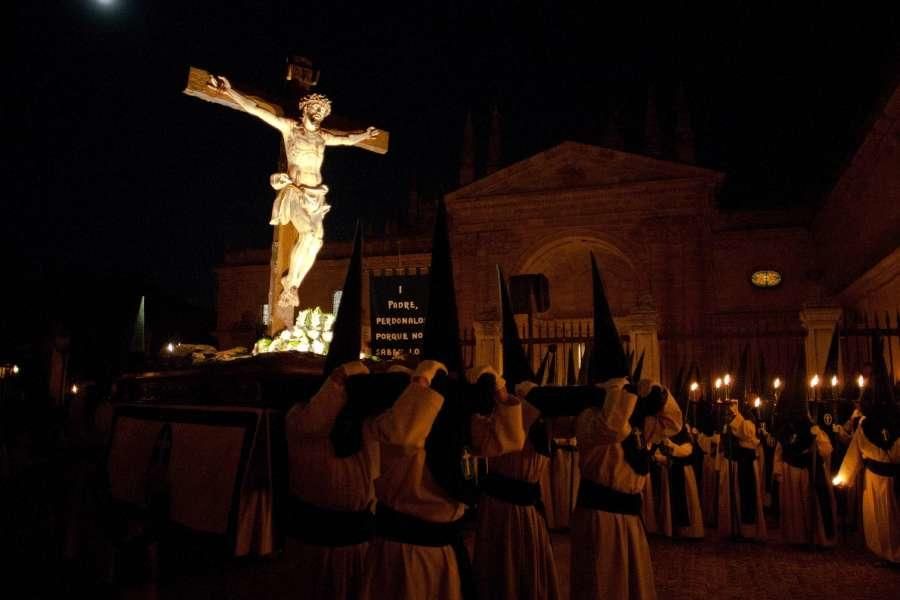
{"x":687,"y":282}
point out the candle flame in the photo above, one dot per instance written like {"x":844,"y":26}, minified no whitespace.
{"x":777,"y":383}
{"x":838,"y":480}
{"x":834,"y":381}
{"x":727,"y":379}
{"x":718,"y":383}
{"x":74,"y":388}
{"x":757,"y":402}
{"x":170,"y":347}
{"x":861,"y":381}
{"x":814,"y":381}
{"x":694,"y":386}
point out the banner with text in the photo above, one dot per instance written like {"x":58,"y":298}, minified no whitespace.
{"x":398,"y":307}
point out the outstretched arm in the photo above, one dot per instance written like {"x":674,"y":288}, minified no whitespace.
{"x":223,"y":86}
{"x":343,"y":138}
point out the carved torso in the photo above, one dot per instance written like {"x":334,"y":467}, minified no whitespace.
{"x":305,"y":152}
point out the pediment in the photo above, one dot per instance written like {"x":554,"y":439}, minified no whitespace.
{"x":571,"y":165}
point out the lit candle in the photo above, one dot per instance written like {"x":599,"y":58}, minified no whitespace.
{"x":861,"y":382}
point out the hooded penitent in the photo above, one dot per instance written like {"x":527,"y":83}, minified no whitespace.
{"x":798,"y":442}
{"x":347,"y":340}
{"x":607,"y":356}
{"x":882,"y":423}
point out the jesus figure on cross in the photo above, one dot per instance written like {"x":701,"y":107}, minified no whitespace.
{"x":300,"y":198}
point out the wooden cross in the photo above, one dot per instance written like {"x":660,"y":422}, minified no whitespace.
{"x":300,"y":71}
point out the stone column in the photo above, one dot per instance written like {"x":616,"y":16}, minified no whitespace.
{"x":819,"y":322}
{"x":488,"y":346}
{"x":641,"y":327}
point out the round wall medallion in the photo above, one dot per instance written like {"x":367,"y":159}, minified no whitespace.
{"x":766,"y":278}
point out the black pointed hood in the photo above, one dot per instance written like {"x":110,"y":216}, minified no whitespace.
{"x":516,"y":367}
{"x":346,"y":342}
{"x":743,"y":374}
{"x":441,"y":337}
{"x":541,"y":376}
{"x":608,"y":357}
{"x":793,"y":402}
{"x":831,"y":362}
{"x":882,"y":423}
{"x":638,"y":369}
{"x":551,"y":368}
{"x":571,"y":376}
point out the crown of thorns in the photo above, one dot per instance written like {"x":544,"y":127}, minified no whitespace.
{"x":316,"y":100}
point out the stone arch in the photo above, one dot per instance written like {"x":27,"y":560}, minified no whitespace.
{"x":564,"y":259}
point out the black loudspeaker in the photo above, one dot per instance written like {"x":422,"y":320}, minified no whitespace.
{"x":524,"y":287}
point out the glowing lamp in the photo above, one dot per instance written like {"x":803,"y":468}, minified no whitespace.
{"x":838,"y":480}
{"x":15,"y":370}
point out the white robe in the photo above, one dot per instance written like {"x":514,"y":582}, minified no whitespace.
{"x":610,"y":555}
{"x":880,"y":506}
{"x":513,"y":558}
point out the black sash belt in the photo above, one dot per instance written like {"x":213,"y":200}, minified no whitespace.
{"x":407,"y":529}
{"x":514,"y":491}
{"x":327,"y":527}
{"x":885,"y":469}
{"x":744,"y":457}
{"x":594,"y":496}
{"x":678,"y":491}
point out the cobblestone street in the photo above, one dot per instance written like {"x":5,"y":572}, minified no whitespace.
{"x":684,"y":570}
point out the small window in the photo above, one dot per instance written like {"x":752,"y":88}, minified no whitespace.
{"x":336,"y":301}
{"x":766,"y":278}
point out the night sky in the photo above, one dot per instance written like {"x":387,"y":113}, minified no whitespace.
{"x":118,"y":176}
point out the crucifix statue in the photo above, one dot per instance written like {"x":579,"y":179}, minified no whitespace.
{"x":300,"y":191}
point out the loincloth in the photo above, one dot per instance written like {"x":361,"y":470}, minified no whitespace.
{"x":304,"y":206}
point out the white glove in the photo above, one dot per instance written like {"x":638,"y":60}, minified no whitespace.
{"x":427,"y":369}
{"x":400,"y":369}
{"x":354,"y":368}
{"x":474,"y":373}
{"x":524,"y":388}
